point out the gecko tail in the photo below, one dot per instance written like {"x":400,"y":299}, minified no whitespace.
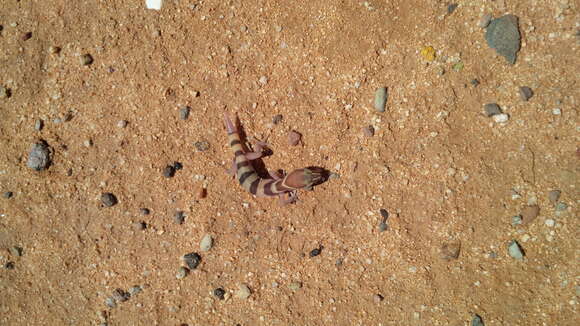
{"x":230,"y":127}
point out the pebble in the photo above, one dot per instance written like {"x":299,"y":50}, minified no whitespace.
{"x":500,"y":118}
{"x":184,"y":112}
{"x":39,"y":156}
{"x":108,"y":199}
{"x":277,"y":119}
{"x":38,"y":124}
{"x":549,"y":223}
{"x":450,"y":251}
{"x":556,"y":111}
{"x":377,"y":298}
{"x":16,"y":251}
{"x":369,"y":131}
{"x":561,"y":207}
{"x":516,"y":220}
{"x":474,"y":82}
{"x":515,"y":251}
{"x":451,"y":8}
{"x":5,"y":92}
{"x":120,"y":296}
{"x":526,"y":93}
{"x":26,"y":36}
{"x":179,"y":217}
{"x":144,"y":211}
{"x":54,"y":49}
{"x":192,"y":260}
{"x":529,"y":213}
{"x":243,"y":292}
{"x":503,"y":35}
{"x":206,"y":243}
{"x":177,"y":166}
{"x":491,"y":109}
{"x":135,"y":289}
{"x":110,"y":302}
{"x":8,"y":194}
{"x":140,"y":226}
{"x":383,"y":226}
{"x":181,"y":272}
{"x":315,"y":252}
{"x":88,"y":143}
{"x":201,"y":146}
{"x":381,"y":96}
{"x":477,"y":321}
{"x":169,"y":171}
{"x":428,"y":53}
{"x":384,"y":214}
{"x":485,"y":20}
{"x":295,"y":286}
{"x":263,"y":80}
{"x":122,"y":123}
{"x":554,"y":196}
{"x":86,"y":59}
{"x":219,"y":293}
{"x":294,"y":138}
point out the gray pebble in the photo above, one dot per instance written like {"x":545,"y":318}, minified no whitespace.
{"x":16,"y":251}
{"x":108,"y":199}
{"x":110,"y":302}
{"x":503,"y":35}
{"x":140,"y":226}
{"x":219,"y":293}
{"x":120,"y":296}
{"x":144,"y":211}
{"x":526,"y":93}
{"x":491,"y":109}
{"x":451,"y":8}
{"x":477,"y":321}
{"x":86,"y":59}
{"x":383,"y":226}
{"x":39,"y":156}
{"x":554,"y":196}
{"x":184,"y":112}
{"x":201,"y":146}
{"x":38,"y":124}
{"x":516,"y":220}
{"x":369,"y":131}
{"x":561,"y":206}
{"x":381,"y":96}
{"x":277,"y":119}
{"x":134,"y":290}
{"x":192,"y":260}
{"x":181,"y":273}
{"x":179,"y":217}
{"x":169,"y":171}
{"x":8,"y":194}
{"x":485,"y":20}
{"x":515,"y":251}
{"x":377,"y":298}
{"x":206,"y":243}
{"x":122,"y":123}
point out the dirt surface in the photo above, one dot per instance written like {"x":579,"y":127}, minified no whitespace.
{"x":449,"y":177}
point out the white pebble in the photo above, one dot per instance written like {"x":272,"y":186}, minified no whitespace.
{"x":500,"y":118}
{"x":556,"y":111}
{"x":263,"y":80}
{"x":154,"y":4}
{"x":206,"y":243}
{"x":549,"y":223}
{"x":243,"y":291}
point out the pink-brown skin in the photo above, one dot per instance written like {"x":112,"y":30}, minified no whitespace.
{"x":276,"y":185}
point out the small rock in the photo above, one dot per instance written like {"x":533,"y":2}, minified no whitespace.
{"x":381,"y":96}
{"x":503,"y":35}
{"x":428,"y":53}
{"x":5,"y":92}
{"x":561,"y":207}
{"x":529,"y":213}
{"x":458,"y":66}
{"x":86,"y":59}
{"x":179,"y":217}
{"x":485,"y":20}
{"x":184,"y":112}
{"x":474,"y":82}
{"x":243,"y":291}
{"x":500,"y":118}
{"x":16,"y":251}
{"x":263,"y":80}
{"x":450,"y":251}
{"x":135,"y":289}
{"x":201,"y":146}
{"x":383,"y":226}
{"x":549,"y":223}
{"x":26,"y":36}
{"x":515,"y":251}
{"x":38,"y":124}
{"x":144,"y":211}
{"x":88,"y":143}
{"x":315,"y":252}
{"x":294,"y":138}
{"x":451,"y":8}
{"x":206,"y":243}
{"x":369,"y":131}
{"x":181,"y":273}
{"x":39,"y":156}
{"x":477,"y":321}
{"x":377,"y":298}
{"x":108,"y":199}
{"x":384,"y":214}
{"x":192,"y":260}
{"x":295,"y":286}
{"x":54,"y":49}
{"x":277,"y":119}
{"x":554,"y":196}
{"x":491,"y":109}
{"x":526,"y":93}
{"x":120,"y":296}
{"x":169,"y":171}
{"x":219,"y":293}
{"x":516,"y":220}
{"x":8,"y":194}
{"x":9,"y":265}
{"x":556,"y":111}
{"x":177,"y":166}
{"x":140,"y":226}
{"x":122,"y":123}
{"x":110,"y":302}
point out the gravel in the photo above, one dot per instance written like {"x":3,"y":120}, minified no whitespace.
{"x":108,"y":199}
{"x":503,"y":35}
{"x":206,"y":243}
{"x":381,"y":96}
{"x":219,"y":293}
{"x":491,"y":109}
{"x":192,"y":260}
{"x":243,"y":292}
{"x":179,"y":217}
{"x":526,"y":93}
{"x":182,"y":272}
{"x":169,"y":171}
{"x":39,"y":156}
{"x":184,"y":112}
{"x":554,"y":196}
{"x":86,"y":59}
{"x":515,"y":251}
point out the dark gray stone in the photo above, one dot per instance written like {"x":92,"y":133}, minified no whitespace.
{"x":477,"y":321}
{"x":451,"y":8}
{"x":39,"y":156}
{"x":169,"y":171}
{"x":8,"y":194}
{"x":503,"y":35}
{"x":491,"y":109}
{"x":526,"y":93}
{"x":108,"y":199}
{"x":86,"y":59}
{"x":184,"y":112}
{"x":192,"y":260}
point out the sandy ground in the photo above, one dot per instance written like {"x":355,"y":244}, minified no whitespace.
{"x":446,"y":173}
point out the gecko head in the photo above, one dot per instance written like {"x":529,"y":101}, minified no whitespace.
{"x":305,"y":178}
